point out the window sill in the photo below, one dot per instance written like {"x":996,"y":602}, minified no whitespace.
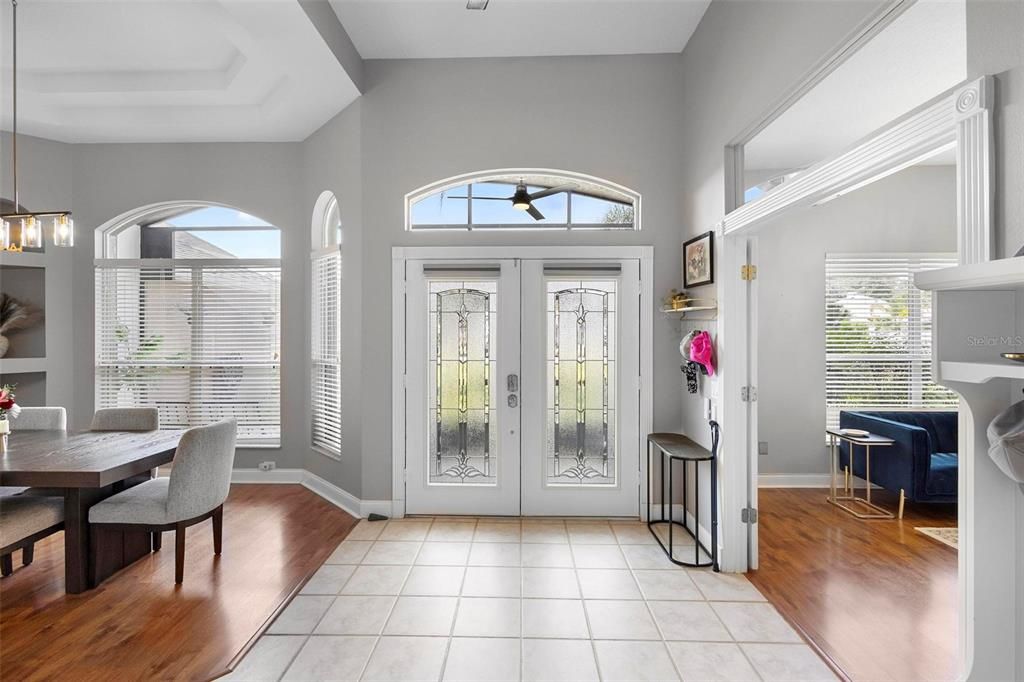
{"x":329,"y":454}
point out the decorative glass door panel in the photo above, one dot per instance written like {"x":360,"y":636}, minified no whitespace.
{"x":581,"y":367}
{"x":580,"y":420}
{"x":521,"y":388}
{"x":463,"y":448}
{"x":462,"y":429}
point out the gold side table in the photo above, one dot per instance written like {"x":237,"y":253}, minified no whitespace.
{"x":851,"y":503}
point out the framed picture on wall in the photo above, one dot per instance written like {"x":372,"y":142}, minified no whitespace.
{"x":699,"y":260}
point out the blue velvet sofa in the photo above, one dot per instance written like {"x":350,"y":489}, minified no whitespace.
{"x":922,"y":461}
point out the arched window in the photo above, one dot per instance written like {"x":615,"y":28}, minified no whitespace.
{"x":325,"y":350}
{"x":523,"y":199}
{"x":188,"y":317}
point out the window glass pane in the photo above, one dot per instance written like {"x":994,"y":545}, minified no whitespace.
{"x":580,"y":421}
{"x":460,"y":351}
{"x":210,"y":216}
{"x":587,"y":210}
{"x":492,"y":206}
{"x":227,"y":243}
{"x":441,"y":208}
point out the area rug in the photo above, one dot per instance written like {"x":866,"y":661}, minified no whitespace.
{"x":947,"y":536}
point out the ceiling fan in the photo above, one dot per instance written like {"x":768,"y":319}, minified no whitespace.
{"x":523,"y":199}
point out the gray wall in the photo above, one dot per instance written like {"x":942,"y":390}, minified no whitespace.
{"x":742,"y":58}
{"x":263,"y":179}
{"x":995,"y":46}
{"x":614,"y":117}
{"x":912,"y":211}
{"x":44,"y":177}
{"x":332,"y":160}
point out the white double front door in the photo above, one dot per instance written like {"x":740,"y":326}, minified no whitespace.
{"x":522,"y":387}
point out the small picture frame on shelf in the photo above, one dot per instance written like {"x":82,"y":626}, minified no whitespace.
{"x":699,"y":260}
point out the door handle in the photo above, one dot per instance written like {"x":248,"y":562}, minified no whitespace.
{"x":513,"y":384}
{"x":513,"y":400}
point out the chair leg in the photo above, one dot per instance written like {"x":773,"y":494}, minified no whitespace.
{"x":179,"y":553}
{"x":218,"y":528}
{"x":157,"y":540}
{"x":6,"y":565}
{"x":27,"y":554}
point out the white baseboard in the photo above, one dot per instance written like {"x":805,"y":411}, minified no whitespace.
{"x":272,"y":476}
{"x":337,"y":496}
{"x":802,"y":481}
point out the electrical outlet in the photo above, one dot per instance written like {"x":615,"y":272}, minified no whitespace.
{"x":268,"y":466}
{"x":762,"y":447}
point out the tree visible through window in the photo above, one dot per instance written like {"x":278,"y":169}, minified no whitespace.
{"x":878,"y":330}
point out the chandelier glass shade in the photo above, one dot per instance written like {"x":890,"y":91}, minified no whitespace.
{"x":24,"y":229}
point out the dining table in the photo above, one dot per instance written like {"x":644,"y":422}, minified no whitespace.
{"x":86,"y":467}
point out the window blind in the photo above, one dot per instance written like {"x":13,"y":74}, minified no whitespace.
{"x":198,"y":340}
{"x":326,"y":352}
{"x":878,"y":334}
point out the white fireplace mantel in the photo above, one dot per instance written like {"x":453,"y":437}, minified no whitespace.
{"x":979,"y":314}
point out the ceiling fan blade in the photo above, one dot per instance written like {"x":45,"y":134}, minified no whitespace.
{"x":550,"y":191}
{"x":537,"y":215}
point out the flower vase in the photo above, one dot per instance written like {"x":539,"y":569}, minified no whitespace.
{"x":5,"y":429}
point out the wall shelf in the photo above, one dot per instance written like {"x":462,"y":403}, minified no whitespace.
{"x":10,"y":259}
{"x":22,"y":365}
{"x":980,"y":372}
{"x":689,"y":309}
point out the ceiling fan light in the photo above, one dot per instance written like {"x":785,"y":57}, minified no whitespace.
{"x":521,"y":204}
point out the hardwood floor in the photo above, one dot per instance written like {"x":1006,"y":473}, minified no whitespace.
{"x":138,"y":625}
{"x":877,"y":597}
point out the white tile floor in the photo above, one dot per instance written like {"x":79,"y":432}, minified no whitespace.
{"x":475,"y":600}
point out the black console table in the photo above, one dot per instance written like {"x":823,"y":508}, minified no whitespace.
{"x":675,"y":447}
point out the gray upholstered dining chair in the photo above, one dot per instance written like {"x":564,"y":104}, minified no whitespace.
{"x":195,"y":491}
{"x":40,"y":511}
{"x":41,"y":419}
{"x":126,"y":419}
{"x":25,"y":519}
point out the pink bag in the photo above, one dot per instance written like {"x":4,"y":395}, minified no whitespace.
{"x":702,"y":351}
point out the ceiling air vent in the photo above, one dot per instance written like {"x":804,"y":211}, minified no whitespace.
{"x":476,"y":4}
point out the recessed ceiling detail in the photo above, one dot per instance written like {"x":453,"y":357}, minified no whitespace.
{"x":198,"y":71}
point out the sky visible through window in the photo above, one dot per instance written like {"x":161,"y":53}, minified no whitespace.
{"x":255,"y":243}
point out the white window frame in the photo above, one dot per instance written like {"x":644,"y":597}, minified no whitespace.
{"x":904,"y":265}
{"x":325,"y":333}
{"x":503,"y":174}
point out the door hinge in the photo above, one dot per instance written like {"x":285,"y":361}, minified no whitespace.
{"x":748,"y":515}
{"x":748,"y":272}
{"x":748,"y":394}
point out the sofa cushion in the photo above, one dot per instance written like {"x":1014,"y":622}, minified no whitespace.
{"x":941,"y":426}
{"x":942,"y":474}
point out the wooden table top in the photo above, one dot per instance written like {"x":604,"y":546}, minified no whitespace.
{"x":679,"y":446}
{"x":83,"y":459}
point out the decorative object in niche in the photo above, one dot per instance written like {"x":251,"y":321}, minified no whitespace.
{"x":1006,"y":441}
{"x":699,"y":260}
{"x":1016,"y":357}
{"x":15,"y":315}
{"x":676,"y":300}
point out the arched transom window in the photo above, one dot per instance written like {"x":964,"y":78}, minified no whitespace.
{"x":526,"y":199}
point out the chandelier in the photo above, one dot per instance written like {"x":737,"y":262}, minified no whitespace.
{"x":24,"y":230}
